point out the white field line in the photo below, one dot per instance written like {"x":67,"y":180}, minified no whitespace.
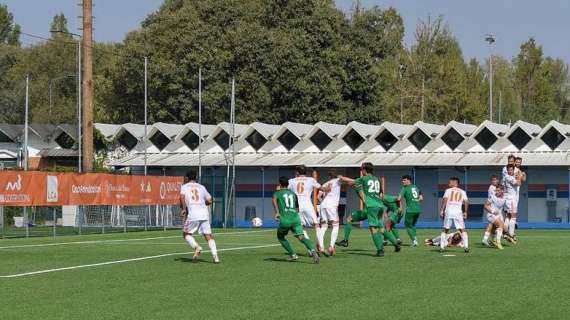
{"x":117,"y":240}
{"x":18,"y":275}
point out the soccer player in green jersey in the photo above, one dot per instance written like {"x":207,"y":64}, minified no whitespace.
{"x":368,"y":188}
{"x":287,"y":213}
{"x":413,"y":196}
{"x":394,"y":215}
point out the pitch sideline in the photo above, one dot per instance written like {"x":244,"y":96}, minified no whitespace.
{"x":19,"y":275}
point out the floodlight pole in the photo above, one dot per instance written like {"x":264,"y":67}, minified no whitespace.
{"x":26,"y":126}
{"x":147,"y":218}
{"x":491,"y":40}
{"x":200,"y":125}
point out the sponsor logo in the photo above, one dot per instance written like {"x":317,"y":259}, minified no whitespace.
{"x":85,"y":189}
{"x":166,"y":187}
{"x":52,"y":186}
{"x":16,"y":185}
{"x":145,"y":187}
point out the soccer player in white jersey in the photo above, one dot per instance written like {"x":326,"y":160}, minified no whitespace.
{"x":329,"y":211}
{"x":194,"y":200}
{"x":490,"y":195}
{"x":453,"y":214}
{"x":494,"y":207}
{"x":304,"y":187}
{"x":512,"y":183}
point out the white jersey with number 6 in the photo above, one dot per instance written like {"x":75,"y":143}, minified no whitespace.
{"x":303,"y":187}
{"x":195,"y":197}
{"x":455,"y":198}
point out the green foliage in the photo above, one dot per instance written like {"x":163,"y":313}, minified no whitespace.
{"x":9,"y":31}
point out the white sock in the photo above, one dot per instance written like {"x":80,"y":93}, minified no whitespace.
{"x":212,"y":245}
{"x":443,"y":241}
{"x":306,"y":235}
{"x":321,"y":236}
{"x":465,"y":239}
{"x":507,"y":223}
{"x":499,"y":235}
{"x":334,"y":234}
{"x":512,"y":226}
{"x":191,"y":241}
{"x":486,"y":236}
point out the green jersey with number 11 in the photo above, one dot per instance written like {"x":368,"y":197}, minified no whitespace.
{"x":370,"y":186}
{"x":287,"y":204}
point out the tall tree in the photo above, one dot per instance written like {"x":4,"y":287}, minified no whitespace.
{"x":9,"y":31}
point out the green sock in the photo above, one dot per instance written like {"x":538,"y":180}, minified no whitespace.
{"x":287,"y":246}
{"x":396,"y":233}
{"x":377,"y":238}
{"x":390,"y":237}
{"x":347,"y":230}
{"x":412,"y":232}
{"x":307,"y":243}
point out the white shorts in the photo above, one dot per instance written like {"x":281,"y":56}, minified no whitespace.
{"x":202,"y":226}
{"x":453,"y":220}
{"x":491,"y":218}
{"x":512,"y":204}
{"x":329,"y":214}
{"x":308,"y":216}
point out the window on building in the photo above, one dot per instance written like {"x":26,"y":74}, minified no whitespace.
{"x":159,"y":140}
{"x":223,"y":139}
{"x":320,"y":139}
{"x":4,"y":138}
{"x":419,"y":139}
{"x":519,"y":138}
{"x":65,"y":141}
{"x":386,"y":139}
{"x":127,"y":140}
{"x":288,"y":140}
{"x":191,"y":140}
{"x":452,"y":138}
{"x":486,"y":138}
{"x":256,"y":140}
{"x":353,"y":139}
{"x":552,"y":138}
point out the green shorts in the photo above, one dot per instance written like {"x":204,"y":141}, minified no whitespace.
{"x":294,"y":226}
{"x":373,"y":215}
{"x":411,"y":219}
{"x":395,"y":217}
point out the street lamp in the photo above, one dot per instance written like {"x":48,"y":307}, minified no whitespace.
{"x":491,"y":40}
{"x":79,"y":135}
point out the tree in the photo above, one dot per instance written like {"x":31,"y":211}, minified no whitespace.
{"x":9,"y":31}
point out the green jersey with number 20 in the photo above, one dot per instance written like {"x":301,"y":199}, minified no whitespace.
{"x":370,"y":186}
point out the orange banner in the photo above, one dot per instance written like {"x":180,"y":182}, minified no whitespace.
{"x":21,"y":188}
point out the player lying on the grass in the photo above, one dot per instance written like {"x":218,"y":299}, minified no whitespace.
{"x":453,"y":214}
{"x":452,"y":239}
{"x":304,"y":187}
{"x":286,"y":207}
{"x":194,"y":200}
{"x":494,"y":207}
{"x":413,"y":196}
{"x":512,"y":182}
{"x":329,"y":211}
{"x":392,"y":216}
{"x":368,"y":189}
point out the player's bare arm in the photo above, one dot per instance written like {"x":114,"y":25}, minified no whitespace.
{"x":443,"y":206}
{"x":466,"y":204}
{"x":346,"y":180}
{"x":184,"y":211}
{"x":276,"y":208}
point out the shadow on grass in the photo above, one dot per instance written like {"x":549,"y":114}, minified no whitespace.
{"x":190,"y":260}
{"x":286,"y":261}
{"x":360,"y":253}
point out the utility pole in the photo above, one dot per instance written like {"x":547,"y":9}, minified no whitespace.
{"x":87,"y":86}
{"x":491,"y":40}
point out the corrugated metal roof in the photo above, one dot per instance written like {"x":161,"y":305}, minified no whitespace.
{"x":58,"y":153}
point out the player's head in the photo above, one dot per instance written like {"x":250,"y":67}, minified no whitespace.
{"x":511,"y":159}
{"x":494,"y":180}
{"x":191,"y":175}
{"x":406,"y":180}
{"x":454,"y":182}
{"x":332,"y":173}
{"x":367,"y":168}
{"x":511,"y":169}
{"x":518,"y":162}
{"x":499,"y":191}
{"x":300,"y":170}
{"x":283,"y":182}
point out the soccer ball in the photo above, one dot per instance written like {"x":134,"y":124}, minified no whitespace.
{"x":256,"y":222}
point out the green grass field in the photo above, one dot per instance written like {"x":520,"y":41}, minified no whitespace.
{"x":527,"y":281}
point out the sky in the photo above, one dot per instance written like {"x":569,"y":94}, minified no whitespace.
{"x":511,"y":21}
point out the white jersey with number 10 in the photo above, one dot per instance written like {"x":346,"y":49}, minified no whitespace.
{"x":455,"y":198}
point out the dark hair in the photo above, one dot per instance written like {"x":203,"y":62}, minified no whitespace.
{"x":301,"y":169}
{"x":510,"y":166}
{"x":494,"y":176}
{"x":511,"y":156}
{"x":191,"y":175}
{"x":456,"y":179}
{"x":407,"y":177}
{"x":368,"y":167}
{"x":518,"y":158}
{"x":499,"y":187}
{"x":283,"y":181}
{"x":333,"y":173}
